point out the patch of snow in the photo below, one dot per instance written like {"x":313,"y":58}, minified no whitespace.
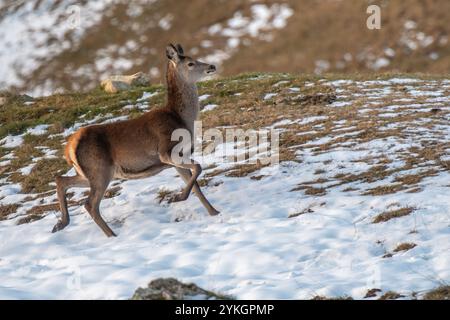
{"x":269,"y":96}
{"x":281,"y":123}
{"x":311,"y":119}
{"x":166,"y":22}
{"x":380,"y":63}
{"x":204,"y":97}
{"x":11,"y":141}
{"x":252,"y":250}
{"x":338,"y":83}
{"x":5,"y":163}
{"x":279,"y":83}
{"x":38,"y":130}
{"x":147,"y":95}
{"x":239,"y":29}
{"x":209,"y":107}
{"x":322,"y":66}
{"x":36,"y":33}
{"x":27,"y":169}
{"x":389,"y":52}
{"x":421,"y":93}
{"x":339,"y":104}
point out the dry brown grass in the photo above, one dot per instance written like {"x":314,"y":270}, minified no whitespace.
{"x":243,"y":170}
{"x":43,"y":173}
{"x":441,"y":293}
{"x":311,"y":191}
{"x":372,"y":293}
{"x":391,"y":295}
{"x":8,"y":209}
{"x":393,"y":214}
{"x":164,"y":194}
{"x":383,"y":190}
{"x":413,"y":179}
{"x":323,"y":298}
{"x":112,"y":192}
{"x":300,"y":213}
{"x":405,"y":247}
{"x":38,"y":212}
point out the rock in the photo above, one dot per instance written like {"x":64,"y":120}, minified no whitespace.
{"x":114,"y":86}
{"x":7,"y":97}
{"x":172,"y":289}
{"x":118,"y":83}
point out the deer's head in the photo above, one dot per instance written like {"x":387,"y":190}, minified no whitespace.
{"x":188,"y":69}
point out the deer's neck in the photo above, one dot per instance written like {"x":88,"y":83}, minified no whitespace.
{"x":182,"y":97}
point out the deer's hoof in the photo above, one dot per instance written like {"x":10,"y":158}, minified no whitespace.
{"x":214,"y":212}
{"x":59,"y":226}
{"x":111,"y":234}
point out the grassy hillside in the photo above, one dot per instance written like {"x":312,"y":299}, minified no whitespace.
{"x":243,"y":104}
{"x":364,"y":167}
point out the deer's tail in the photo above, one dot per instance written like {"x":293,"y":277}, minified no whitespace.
{"x":70,"y":152}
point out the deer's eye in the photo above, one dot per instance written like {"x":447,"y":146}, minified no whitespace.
{"x":190,"y":64}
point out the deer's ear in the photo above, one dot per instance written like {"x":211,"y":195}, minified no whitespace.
{"x":180,"y":49}
{"x":172,"y":53}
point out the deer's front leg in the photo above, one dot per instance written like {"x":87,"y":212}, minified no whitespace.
{"x":194,"y":167}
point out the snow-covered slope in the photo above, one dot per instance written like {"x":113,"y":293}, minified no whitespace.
{"x":50,"y":46}
{"x":303,"y":228}
{"x":69,"y":36}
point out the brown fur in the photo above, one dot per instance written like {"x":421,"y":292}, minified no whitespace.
{"x":70,"y":151}
{"x":136,"y":148}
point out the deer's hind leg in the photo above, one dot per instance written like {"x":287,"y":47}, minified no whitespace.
{"x":99,"y":178}
{"x":186,"y":175}
{"x":62,"y":184}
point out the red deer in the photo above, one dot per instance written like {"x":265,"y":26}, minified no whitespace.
{"x":140,"y":147}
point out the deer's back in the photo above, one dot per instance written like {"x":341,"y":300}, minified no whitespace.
{"x":131,"y":145}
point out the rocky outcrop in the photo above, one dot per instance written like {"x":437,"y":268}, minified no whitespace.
{"x":172,"y":289}
{"x":118,"y":83}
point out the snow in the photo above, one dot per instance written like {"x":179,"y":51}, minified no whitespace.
{"x":147,"y":95}
{"x":38,"y":130}
{"x":252,"y":250}
{"x":381,"y":63}
{"x":336,"y":242}
{"x":311,"y":119}
{"x":240,"y":28}
{"x":279,"y":83}
{"x":209,"y":107}
{"x":27,"y":170}
{"x":203,"y":97}
{"x":263,"y":17}
{"x":11,"y":141}
{"x":389,"y":52}
{"x":4,"y":163}
{"x":27,"y":31}
{"x":339,"y":104}
{"x":166,"y":22}
{"x":269,"y":96}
